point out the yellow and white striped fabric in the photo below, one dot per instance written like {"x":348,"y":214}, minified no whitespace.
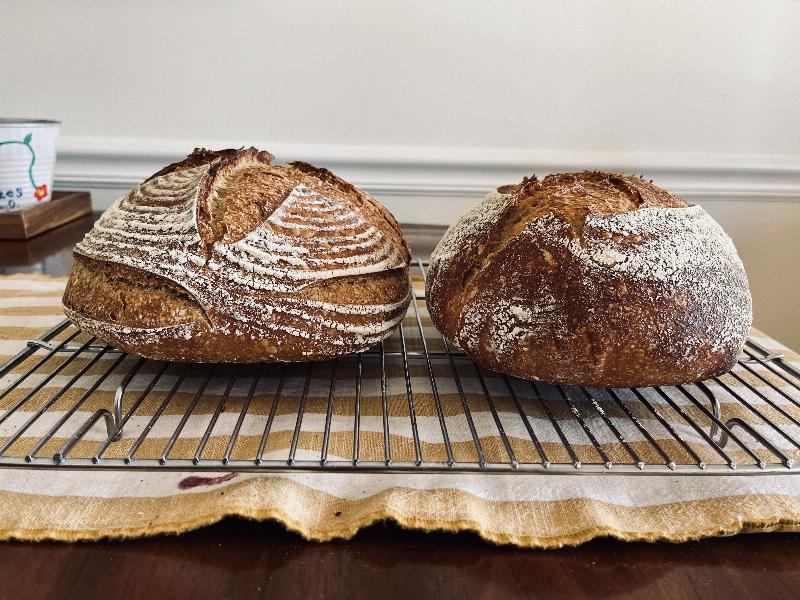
{"x":529,"y":510}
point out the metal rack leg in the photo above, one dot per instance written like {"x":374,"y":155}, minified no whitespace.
{"x":716,"y":410}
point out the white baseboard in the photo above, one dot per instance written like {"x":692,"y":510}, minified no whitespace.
{"x":433,"y":184}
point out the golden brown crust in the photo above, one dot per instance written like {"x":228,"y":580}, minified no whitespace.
{"x":575,"y":196}
{"x":101,"y":293}
{"x":591,"y":279}
{"x":226,"y":257}
{"x":203,"y":156}
{"x":127,"y":296}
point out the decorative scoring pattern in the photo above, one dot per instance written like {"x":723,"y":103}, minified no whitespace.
{"x":251,"y":286}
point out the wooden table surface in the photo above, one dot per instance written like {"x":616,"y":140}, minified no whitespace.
{"x":243,"y":559}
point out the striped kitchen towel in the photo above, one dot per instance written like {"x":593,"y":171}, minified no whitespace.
{"x":531,"y":510}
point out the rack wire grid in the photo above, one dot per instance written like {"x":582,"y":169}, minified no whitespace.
{"x":413,"y":403}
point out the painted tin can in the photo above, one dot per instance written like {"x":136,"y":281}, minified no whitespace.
{"x":27,"y":162}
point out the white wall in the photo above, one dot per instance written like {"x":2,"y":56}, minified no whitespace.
{"x":429,"y":104}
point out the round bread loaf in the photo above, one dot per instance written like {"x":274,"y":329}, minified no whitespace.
{"x":227,"y":257}
{"x":591,"y":279}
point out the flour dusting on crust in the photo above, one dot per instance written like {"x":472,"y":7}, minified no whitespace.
{"x":463,"y":234}
{"x":678,"y":252}
{"x":251,"y":287}
{"x":472,"y":224}
{"x":613,"y":283}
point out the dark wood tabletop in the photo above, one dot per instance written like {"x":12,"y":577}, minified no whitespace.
{"x":244,"y":559}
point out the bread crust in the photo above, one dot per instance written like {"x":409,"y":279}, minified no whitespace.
{"x":226,"y":257}
{"x":591,"y":279}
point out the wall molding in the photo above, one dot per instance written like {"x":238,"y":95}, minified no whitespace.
{"x":405,"y":177}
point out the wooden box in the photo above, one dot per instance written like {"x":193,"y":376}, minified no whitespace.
{"x":64,"y":207}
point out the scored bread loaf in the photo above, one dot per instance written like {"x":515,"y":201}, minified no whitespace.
{"x":226,"y":257}
{"x":591,"y":279}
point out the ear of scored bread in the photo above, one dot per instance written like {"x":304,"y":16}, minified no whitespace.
{"x":225,"y":256}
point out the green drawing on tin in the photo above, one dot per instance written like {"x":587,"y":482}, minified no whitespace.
{"x":26,"y":142}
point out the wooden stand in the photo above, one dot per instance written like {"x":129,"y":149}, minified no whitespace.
{"x":64,"y":207}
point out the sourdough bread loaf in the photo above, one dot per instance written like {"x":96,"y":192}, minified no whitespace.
{"x":227,"y":257}
{"x":591,"y":279}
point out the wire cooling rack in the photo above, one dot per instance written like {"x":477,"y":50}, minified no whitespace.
{"x":414,"y":403}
